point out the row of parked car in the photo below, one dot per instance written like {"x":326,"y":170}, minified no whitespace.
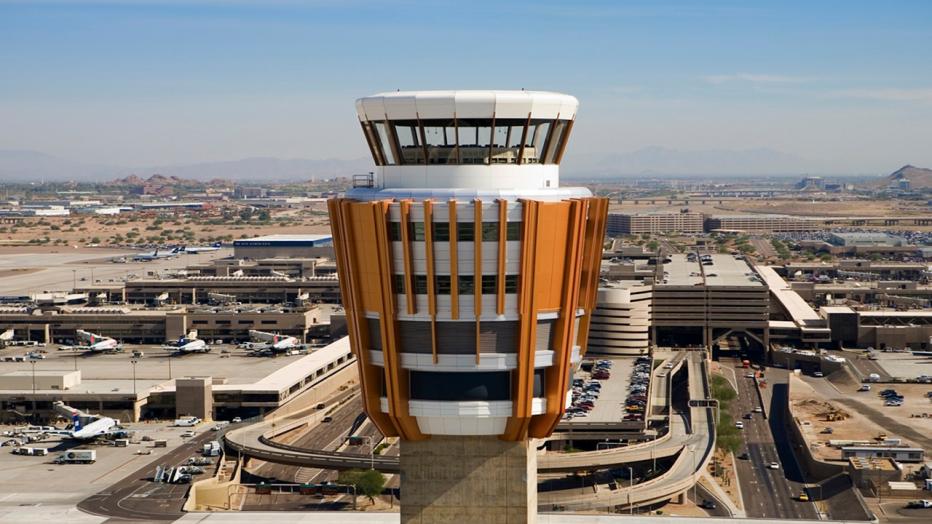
{"x":586,"y":392}
{"x":636,"y":403}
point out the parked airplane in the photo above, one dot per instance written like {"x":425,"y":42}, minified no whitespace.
{"x":201,"y":249}
{"x":6,"y":338}
{"x":91,"y":427}
{"x":271,"y":342}
{"x":94,"y":343}
{"x":156,"y":255}
{"x":189,"y":344}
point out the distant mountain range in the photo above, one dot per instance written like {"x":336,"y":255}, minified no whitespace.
{"x":919,"y":178}
{"x":33,"y":166}
{"x":657,"y":160}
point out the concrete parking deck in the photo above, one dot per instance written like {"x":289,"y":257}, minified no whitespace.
{"x":698,"y":444}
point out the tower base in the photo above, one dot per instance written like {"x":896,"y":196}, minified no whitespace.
{"x":468,"y":479}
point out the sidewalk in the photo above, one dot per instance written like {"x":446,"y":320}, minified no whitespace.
{"x":711,"y":485}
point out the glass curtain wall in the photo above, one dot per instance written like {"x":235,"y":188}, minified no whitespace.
{"x":467,"y":141}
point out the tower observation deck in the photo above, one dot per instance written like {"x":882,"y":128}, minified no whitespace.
{"x":469,"y":276}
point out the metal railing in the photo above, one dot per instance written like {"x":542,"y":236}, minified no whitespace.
{"x":367,"y":180}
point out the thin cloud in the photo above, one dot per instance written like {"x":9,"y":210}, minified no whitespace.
{"x":754,"y":78}
{"x":890,"y":94}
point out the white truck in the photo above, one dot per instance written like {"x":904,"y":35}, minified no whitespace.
{"x":187,"y":422}
{"x":77,"y":456}
{"x":211,"y":449}
{"x":33,"y":452}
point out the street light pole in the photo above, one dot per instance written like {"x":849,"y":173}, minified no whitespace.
{"x":368,"y":439}
{"x":692,"y":450}
{"x":630,"y":487}
{"x":33,"y":362}
{"x":134,"y":378}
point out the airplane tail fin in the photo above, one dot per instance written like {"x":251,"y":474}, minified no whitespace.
{"x":76,"y":422}
{"x":216,"y":244}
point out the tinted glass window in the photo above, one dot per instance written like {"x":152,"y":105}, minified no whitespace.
{"x":465,"y":232}
{"x":394,"y":231}
{"x":465,"y":284}
{"x":428,"y":385}
{"x":441,"y":231}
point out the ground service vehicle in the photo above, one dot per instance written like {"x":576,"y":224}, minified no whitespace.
{"x":77,"y":456}
{"x":32,"y":452}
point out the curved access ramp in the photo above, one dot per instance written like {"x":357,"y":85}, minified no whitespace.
{"x":257,"y":441}
{"x":696,"y":453}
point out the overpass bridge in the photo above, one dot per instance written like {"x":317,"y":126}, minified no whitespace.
{"x":691,"y":438}
{"x":696,"y":447}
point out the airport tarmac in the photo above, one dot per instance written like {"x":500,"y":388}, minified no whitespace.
{"x":52,"y":488}
{"x":903,"y":365}
{"x":29,"y":270}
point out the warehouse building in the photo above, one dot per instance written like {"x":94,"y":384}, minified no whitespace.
{"x":654,"y":223}
{"x":284,"y":246}
{"x":866,"y":239}
{"x":761,"y":223}
{"x":153,"y":326}
{"x":230,"y":390}
{"x":246,"y":289}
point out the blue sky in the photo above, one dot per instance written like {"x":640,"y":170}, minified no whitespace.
{"x":845,"y":86}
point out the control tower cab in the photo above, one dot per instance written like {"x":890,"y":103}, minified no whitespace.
{"x":468,"y":276}
{"x":467,"y":139}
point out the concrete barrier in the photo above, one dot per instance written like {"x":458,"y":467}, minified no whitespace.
{"x":814,"y":469}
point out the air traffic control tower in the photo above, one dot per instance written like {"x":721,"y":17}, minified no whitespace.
{"x":468,"y":276}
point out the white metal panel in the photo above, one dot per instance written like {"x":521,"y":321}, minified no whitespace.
{"x":401,"y":107}
{"x":475,"y":104}
{"x":436,"y":104}
{"x":547,"y":105}
{"x":447,"y":178}
{"x":360,"y":109}
{"x":568,"y":107}
{"x":374,"y":108}
{"x":513,"y":104}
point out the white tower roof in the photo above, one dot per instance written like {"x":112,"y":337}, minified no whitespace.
{"x":410,"y":105}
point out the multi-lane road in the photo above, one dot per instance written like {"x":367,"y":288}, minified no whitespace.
{"x":766,"y":492}
{"x":327,"y":436}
